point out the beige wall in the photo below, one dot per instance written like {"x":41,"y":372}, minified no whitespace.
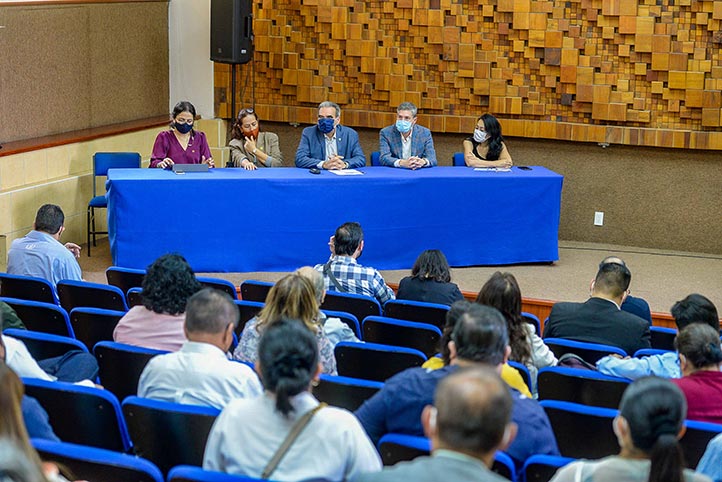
{"x":63,"y":175}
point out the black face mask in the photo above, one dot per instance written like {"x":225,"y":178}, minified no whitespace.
{"x":183,"y":128}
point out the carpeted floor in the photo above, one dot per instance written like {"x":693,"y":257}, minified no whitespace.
{"x":660,"y":277}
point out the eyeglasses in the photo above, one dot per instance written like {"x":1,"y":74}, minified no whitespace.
{"x":184,"y":121}
{"x":244,"y":112}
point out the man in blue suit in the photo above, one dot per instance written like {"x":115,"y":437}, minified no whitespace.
{"x":329,"y":145}
{"x":406,"y":144}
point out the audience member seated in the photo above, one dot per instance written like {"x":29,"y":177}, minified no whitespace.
{"x":248,"y":433}
{"x":486,"y":148}
{"x":329,"y":145}
{"x":649,"y":424}
{"x":692,"y":309}
{"x":430,"y":280}
{"x":599,"y":319}
{"x":158,"y":322}
{"x":291,"y":297}
{"x":699,"y":360}
{"x":75,"y":366}
{"x":469,"y":422}
{"x":711,"y":462}
{"x":343,"y":273}
{"x":41,"y":254}
{"x":502,"y":292}
{"x":200,"y":373}
{"x":251,"y":148}
{"x":10,"y":319}
{"x":335,"y":329}
{"x":406,"y":144}
{"x":181,"y":144}
{"x":479,"y":338}
{"x":632,"y":304}
{"x":19,"y":412}
{"x":509,"y":374}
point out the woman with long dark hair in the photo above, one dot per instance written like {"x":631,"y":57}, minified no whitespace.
{"x":648,"y":427}
{"x":251,"y":147}
{"x":330,"y":445}
{"x":502,"y":292}
{"x":181,"y":144}
{"x":430,"y":280}
{"x":486,"y":148}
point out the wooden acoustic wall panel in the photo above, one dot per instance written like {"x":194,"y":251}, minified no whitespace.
{"x":638,"y":72}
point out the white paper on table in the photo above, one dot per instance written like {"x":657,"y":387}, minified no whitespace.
{"x":347,"y":172}
{"x":493,"y":169}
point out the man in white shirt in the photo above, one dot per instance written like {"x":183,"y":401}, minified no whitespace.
{"x":201,"y":373}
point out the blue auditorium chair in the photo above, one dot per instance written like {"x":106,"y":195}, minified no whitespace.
{"x":43,"y":317}
{"x":345,"y":392}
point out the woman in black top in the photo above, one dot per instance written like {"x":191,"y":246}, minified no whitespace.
{"x":430,"y":280}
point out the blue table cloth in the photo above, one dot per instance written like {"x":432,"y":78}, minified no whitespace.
{"x":233,"y":220}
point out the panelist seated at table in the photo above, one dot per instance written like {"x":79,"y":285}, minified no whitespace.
{"x":486,"y":147}
{"x":328,"y":144}
{"x":251,"y":148}
{"x":406,"y":144}
{"x":181,"y":144}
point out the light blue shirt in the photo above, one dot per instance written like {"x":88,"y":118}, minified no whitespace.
{"x":711,"y":462}
{"x":665,"y":365}
{"x":41,"y":255}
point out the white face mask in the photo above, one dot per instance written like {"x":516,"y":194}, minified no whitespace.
{"x":480,"y":136}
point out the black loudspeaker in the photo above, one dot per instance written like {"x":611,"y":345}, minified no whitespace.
{"x":231,"y":31}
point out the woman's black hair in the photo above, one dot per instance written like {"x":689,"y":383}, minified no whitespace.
{"x":700,"y":344}
{"x":236,"y":131}
{"x":432,"y":264}
{"x":502,"y":292}
{"x":456,"y":310}
{"x":168,"y":284}
{"x":493,"y":130}
{"x":288,"y":355}
{"x":655,"y":409}
{"x":183,"y":106}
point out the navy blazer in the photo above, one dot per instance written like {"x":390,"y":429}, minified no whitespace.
{"x":312,"y":148}
{"x":422,"y":145}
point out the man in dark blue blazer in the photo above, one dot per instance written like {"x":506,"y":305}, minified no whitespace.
{"x":328,"y":144}
{"x":406,"y":144}
{"x":600,"y":319}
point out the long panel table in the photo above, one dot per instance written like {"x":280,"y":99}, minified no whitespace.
{"x":233,"y":220}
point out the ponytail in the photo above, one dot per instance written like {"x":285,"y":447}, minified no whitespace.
{"x":667,"y":460}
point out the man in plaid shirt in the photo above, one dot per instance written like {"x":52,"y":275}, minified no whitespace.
{"x":343,"y":273}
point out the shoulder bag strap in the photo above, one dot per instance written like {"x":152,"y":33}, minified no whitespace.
{"x":327,"y":271}
{"x":290,"y":438}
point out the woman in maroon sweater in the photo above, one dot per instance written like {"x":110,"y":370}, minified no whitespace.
{"x":699,"y":360}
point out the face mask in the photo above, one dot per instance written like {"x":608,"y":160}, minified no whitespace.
{"x":326,"y":125}
{"x":480,"y":136}
{"x":403,"y":126}
{"x":183,"y":128}
{"x":253,"y":134}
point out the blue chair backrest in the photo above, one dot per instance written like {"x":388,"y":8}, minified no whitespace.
{"x":134,"y":297}
{"x":125,"y":278}
{"x":695,"y":440}
{"x":347,"y":318}
{"x":74,"y":294}
{"x":82,"y":415}
{"x":253,"y":290}
{"x":532,"y":319}
{"x":90,"y":463}
{"x":168,"y":434}
{"x":345,"y":392}
{"x":396,"y":447}
{"x":375,"y":158}
{"x":248,"y":310}
{"x":390,"y":331}
{"x":39,"y":316}
{"x":45,"y":345}
{"x":590,"y":352}
{"x":573,"y":423}
{"x":358,"y":305}
{"x":419,"y":311}
{"x":219,"y":284}
{"x":93,"y":325}
{"x":103,"y":161}
{"x":649,"y":352}
{"x":541,"y":468}
{"x":121,"y":366}
{"x":185,"y":473}
{"x":459,"y":159}
{"x":371,"y":361}
{"x":586,"y":387}
{"x":662,"y":338}
{"x":504,"y":465}
{"x":524,"y":372}
{"x":28,"y":288}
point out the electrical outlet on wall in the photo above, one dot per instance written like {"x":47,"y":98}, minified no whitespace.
{"x":599,"y":218}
